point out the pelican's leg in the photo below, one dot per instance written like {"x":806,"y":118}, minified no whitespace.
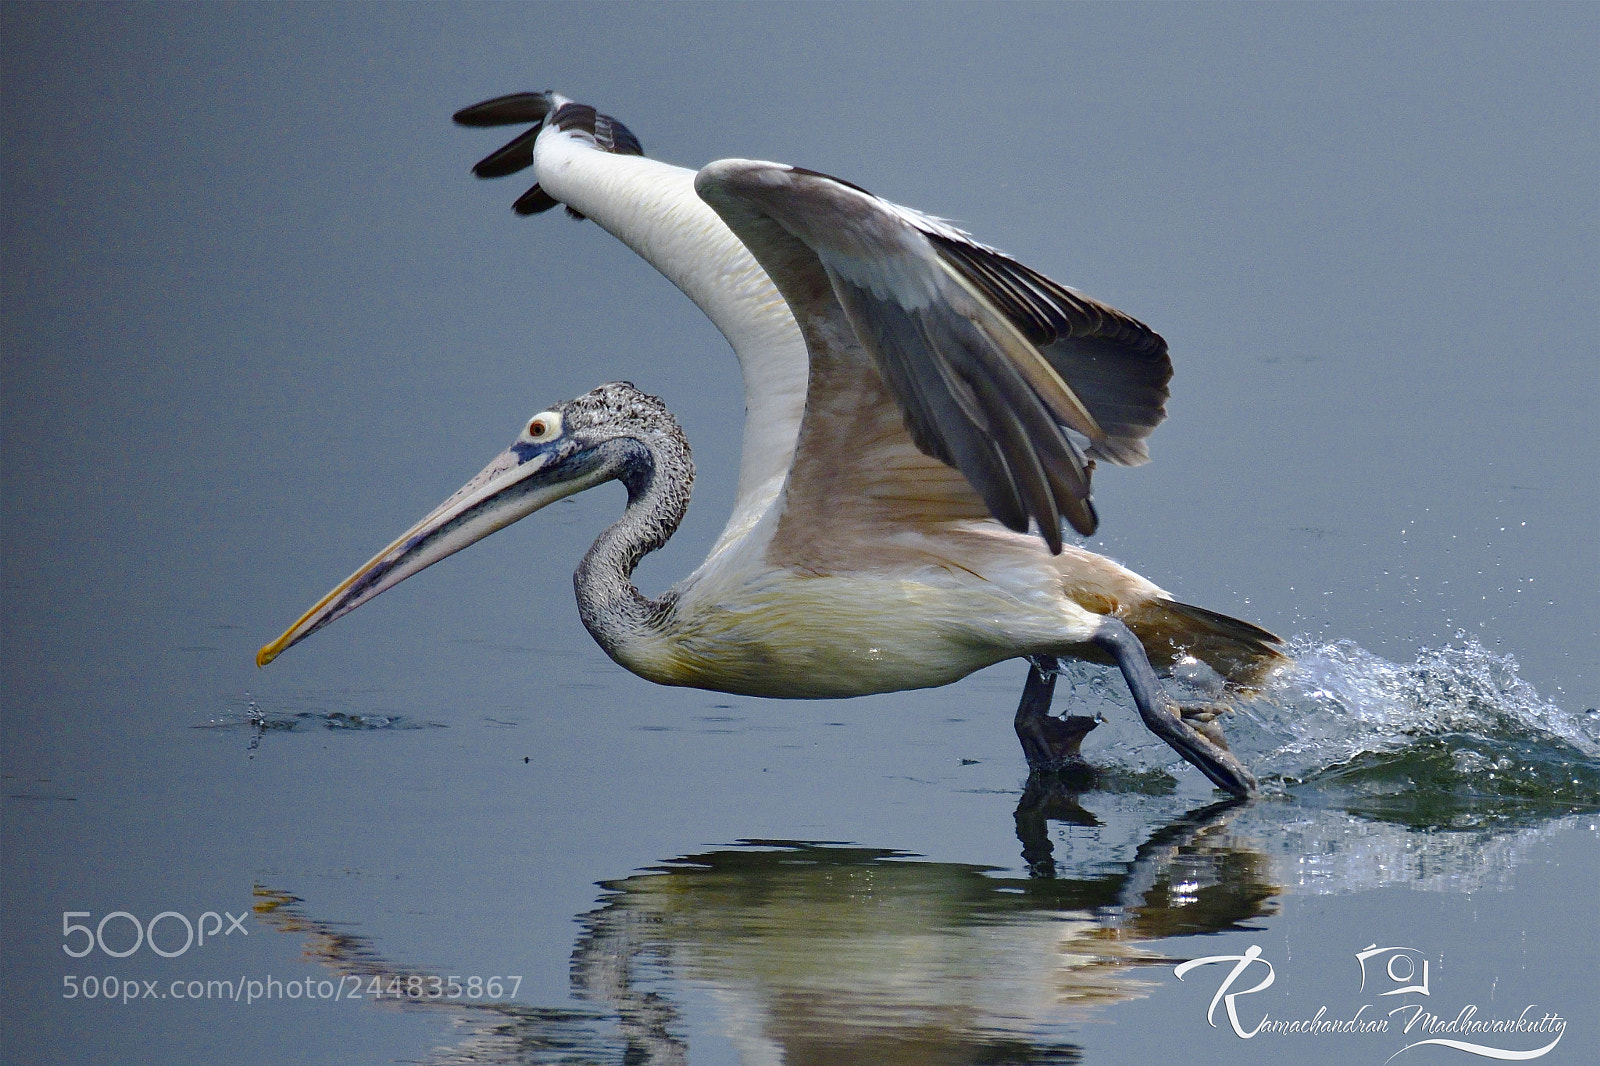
{"x":1200,"y":745}
{"x":1047,"y":743}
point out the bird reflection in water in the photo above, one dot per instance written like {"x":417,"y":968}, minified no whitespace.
{"x":843,"y":954}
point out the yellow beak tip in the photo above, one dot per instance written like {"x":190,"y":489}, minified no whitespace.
{"x":266,"y":655}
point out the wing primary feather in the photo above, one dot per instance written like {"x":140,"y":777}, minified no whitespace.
{"x":1064,"y":475}
{"x":511,"y":110}
{"x":615,"y":137}
{"x":941,"y":411}
{"x":972,"y":417}
{"x":534,"y":201}
{"x":1050,"y":473}
{"x":1069,"y":472}
{"x":1044,"y":473}
{"x":1026,"y":309}
{"x":515,"y":155}
{"x":1114,"y":366}
{"x":541,"y":109}
{"x":608,"y":134}
{"x":1025,"y":292}
{"x":1008,"y":347}
{"x":1026,"y":470}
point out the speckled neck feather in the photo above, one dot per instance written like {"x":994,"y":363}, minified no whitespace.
{"x":650,"y":455}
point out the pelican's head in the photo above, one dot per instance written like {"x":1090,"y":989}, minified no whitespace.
{"x":614,"y":432}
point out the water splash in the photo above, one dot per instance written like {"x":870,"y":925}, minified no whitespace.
{"x":1458,"y":722}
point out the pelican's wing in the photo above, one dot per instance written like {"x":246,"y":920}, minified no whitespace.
{"x":594,"y":165}
{"x":997,"y":370}
{"x":605,"y":133}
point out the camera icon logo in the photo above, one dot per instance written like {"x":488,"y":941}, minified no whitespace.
{"x":1401,"y":965}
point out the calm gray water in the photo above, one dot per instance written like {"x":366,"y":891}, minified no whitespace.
{"x":258,"y":318}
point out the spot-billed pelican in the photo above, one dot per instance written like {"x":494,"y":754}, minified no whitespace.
{"x":916,"y":404}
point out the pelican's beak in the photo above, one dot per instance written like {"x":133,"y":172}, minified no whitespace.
{"x":522,"y":479}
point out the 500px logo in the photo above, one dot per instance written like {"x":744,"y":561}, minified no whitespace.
{"x":79,"y":939}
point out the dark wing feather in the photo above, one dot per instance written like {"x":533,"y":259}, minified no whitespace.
{"x":958,"y":333}
{"x":1117,"y":366}
{"x":968,"y":406}
{"x":934,"y":397}
{"x":540,"y":109}
{"x":514,"y":156}
{"x":533,"y":202}
{"x":512,"y":110}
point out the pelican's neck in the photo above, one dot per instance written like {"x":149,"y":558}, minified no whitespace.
{"x":658,"y":475}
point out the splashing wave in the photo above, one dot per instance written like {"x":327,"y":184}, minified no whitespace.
{"x":1338,"y":702}
{"x":1459,"y":719}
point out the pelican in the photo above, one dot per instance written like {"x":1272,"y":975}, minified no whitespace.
{"x":923,"y":413}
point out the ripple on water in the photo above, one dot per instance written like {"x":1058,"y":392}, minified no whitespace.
{"x":258,"y":721}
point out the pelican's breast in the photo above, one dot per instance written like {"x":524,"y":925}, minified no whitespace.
{"x":788,"y":634}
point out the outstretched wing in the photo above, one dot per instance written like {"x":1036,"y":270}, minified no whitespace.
{"x":593,"y":165}
{"x":996,"y":370}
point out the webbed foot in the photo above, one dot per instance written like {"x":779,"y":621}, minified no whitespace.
{"x":1048,"y":743}
{"x":1203,"y":718}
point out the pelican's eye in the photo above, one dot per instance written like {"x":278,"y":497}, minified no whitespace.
{"x":543,"y":427}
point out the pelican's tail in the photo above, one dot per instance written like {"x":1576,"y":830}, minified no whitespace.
{"x":1242,"y":653}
